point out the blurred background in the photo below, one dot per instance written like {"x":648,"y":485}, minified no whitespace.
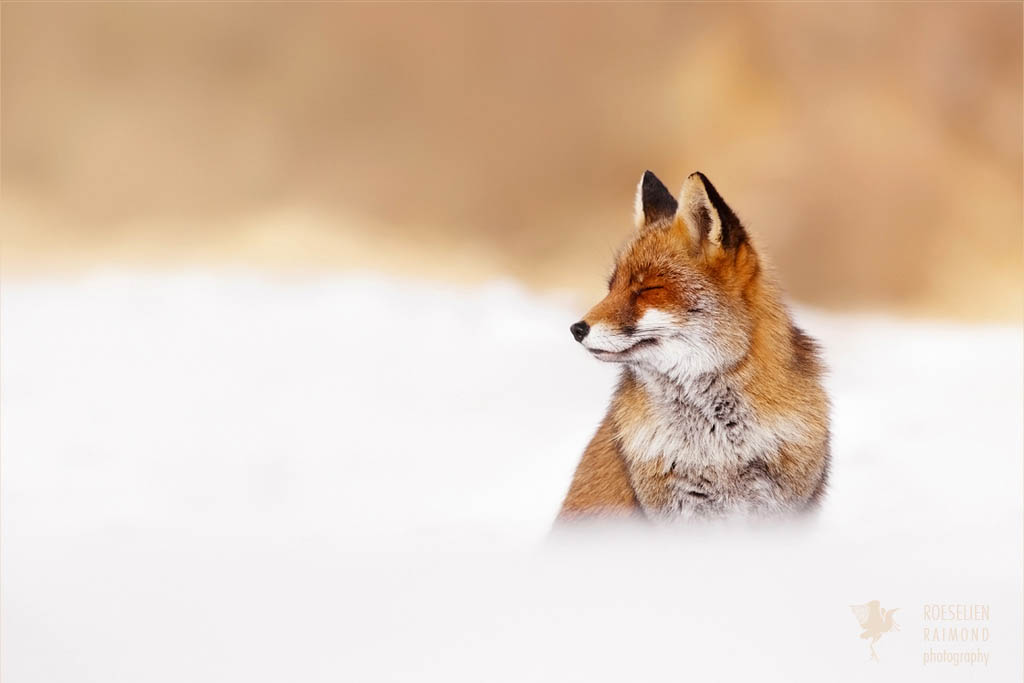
{"x":874,"y":149}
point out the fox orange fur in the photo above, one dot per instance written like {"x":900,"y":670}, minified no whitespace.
{"x":720,"y":409}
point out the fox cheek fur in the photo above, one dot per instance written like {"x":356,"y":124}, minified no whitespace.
{"x":719,"y":408}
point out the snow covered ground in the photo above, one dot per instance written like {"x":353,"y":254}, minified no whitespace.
{"x":224,"y":476}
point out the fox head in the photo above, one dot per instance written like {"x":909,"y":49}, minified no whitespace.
{"x":680,"y":297}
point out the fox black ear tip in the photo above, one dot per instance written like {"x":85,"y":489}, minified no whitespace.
{"x":651,"y":181}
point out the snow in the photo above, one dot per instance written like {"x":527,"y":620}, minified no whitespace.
{"x":230,"y":476}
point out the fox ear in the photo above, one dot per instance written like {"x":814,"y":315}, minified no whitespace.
{"x":707,"y":216}
{"x":654,"y":203}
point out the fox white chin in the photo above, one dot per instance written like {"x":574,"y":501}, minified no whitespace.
{"x":673,"y":359}
{"x":626,"y":355}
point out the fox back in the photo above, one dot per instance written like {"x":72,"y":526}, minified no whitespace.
{"x":720,"y":409}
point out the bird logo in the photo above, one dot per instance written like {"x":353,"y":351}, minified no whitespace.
{"x":875,"y":621}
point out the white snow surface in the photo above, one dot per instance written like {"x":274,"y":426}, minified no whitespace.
{"x":221,"y":475}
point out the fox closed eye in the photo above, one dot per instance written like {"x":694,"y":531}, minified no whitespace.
{"x":650,"y":289}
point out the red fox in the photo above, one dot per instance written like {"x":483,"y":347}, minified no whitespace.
{"x":719,"y":410}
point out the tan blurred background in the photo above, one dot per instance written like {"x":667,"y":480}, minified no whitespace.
{"x":875,"y":150}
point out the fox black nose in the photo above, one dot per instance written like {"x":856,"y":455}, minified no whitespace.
{"x":579,"y":330}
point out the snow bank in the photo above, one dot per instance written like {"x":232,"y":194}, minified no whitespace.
{"x":215,"y":476}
